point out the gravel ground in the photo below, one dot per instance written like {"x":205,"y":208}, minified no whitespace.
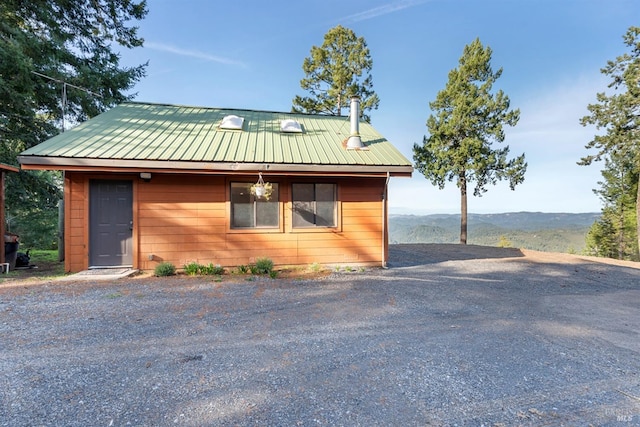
{"x":448,"y":336}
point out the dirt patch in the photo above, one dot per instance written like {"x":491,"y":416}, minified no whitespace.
{"x":429,"y":253}
{"x":38,"y":268}
{"x":537,"y":256}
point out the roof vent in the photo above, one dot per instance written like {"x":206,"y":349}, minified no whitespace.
{"x":355,"y":142}
{"x":290,"y":126}
{"x":232,"y":122}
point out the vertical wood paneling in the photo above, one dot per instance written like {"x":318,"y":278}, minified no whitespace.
{"x":76,"y":218}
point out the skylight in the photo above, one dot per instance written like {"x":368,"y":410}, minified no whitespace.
{"x":232,"y":122}
{"x":290,"y":126}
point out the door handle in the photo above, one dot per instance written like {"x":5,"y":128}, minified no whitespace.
{"x":131,"y":225}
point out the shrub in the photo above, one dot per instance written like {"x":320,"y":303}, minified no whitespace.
{"x":504,"y":242}
{"x":315,"y":267}
{"x":192,"y":268}
{"x":263,"y":266}
{"x":213,"y":270}
{"x":165,"y":269}
{"x":243,"y":269}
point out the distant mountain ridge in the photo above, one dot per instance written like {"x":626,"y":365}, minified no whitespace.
{"x":551,"y":232}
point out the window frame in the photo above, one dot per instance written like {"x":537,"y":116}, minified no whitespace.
{"x":275,"y":198}
{"x":314,"y":226}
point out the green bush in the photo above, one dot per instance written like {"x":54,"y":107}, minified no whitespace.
{"x":263,"y":266}
{"x":243,"y":269}
{"x":212,"y":270}
{"x":504,"y":242}
{"x":315,"y":267}
{"x":37,"y":230}
{"x":192,"y":268}
{"x":165,"y":269}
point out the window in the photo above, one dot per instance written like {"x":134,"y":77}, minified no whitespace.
{"x":247,"y":211}
{"x":314,"y":205}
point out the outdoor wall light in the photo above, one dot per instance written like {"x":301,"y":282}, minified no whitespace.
{"x":145,"y":176}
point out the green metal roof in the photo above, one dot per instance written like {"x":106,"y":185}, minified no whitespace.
{"x":155,"y":136}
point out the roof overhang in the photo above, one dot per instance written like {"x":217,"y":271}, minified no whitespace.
{"x":8,"y":168}
{"x":184,"y":167}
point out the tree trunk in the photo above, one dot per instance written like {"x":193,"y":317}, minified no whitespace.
{"x":638,"y":213}
{"x":621,"y":232}
{"x":463,"y":208}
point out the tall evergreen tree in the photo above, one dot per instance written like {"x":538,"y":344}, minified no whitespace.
{"x":335,"y":72}
{"x":618,"y":113}
{"x":48,"y":50}
{"x":468,"y":118}
{"x":600,"y":238}
{"x":614,"y":234}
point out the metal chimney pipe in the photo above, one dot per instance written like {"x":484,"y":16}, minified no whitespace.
{"x":355,"y":141}
{"x":355,"y":116}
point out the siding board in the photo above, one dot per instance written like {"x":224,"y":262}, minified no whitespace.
{"x":185,"y":219}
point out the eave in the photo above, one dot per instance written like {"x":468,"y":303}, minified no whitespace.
{"x":8,"y":168}
{"x":184,"y":167}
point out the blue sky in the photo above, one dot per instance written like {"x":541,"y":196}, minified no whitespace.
{"x":249,"y":54}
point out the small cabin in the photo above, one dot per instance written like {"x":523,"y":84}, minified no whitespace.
{"x":146,"y":183}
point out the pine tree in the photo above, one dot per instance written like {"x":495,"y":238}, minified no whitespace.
{"x":468,"y":118}
{"x":600,"y":238}
{"x":335,"y":72}
{"x":618,"y":114}
{"x":48,"y":50}
{"x":614,"y":234}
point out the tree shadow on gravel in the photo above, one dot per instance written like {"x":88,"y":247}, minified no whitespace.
{"x":407,"y":255}
{"x":467,"y":343}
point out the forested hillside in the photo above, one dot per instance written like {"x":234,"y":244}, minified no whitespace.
{"x":550,"y":232}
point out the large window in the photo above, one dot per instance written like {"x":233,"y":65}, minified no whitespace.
{"x":314,"y":205}
{"x":248,"y":211}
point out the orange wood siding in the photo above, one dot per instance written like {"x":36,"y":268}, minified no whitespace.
{"x":181,"y":219}
{"x":76,"y":222}
{"x":185,"y":218}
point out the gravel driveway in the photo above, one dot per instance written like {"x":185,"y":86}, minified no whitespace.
{"x":448,"y":335}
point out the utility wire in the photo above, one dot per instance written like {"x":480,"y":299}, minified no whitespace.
{"x":63,"y":102}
